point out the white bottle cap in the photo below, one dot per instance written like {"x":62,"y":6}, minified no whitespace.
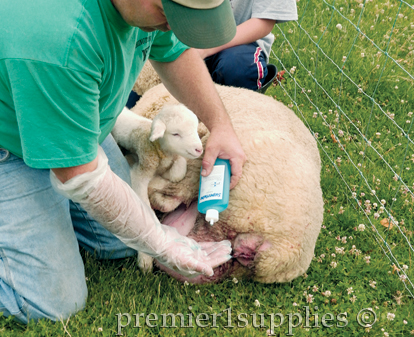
{"x":212,"y":216}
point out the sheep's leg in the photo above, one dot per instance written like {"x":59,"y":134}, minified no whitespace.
{"x":159,"y":199}
{"x":183,"y":218}
{"x":177,"y":171}
{"x":145,"y":262}
{"x":139,"y":182}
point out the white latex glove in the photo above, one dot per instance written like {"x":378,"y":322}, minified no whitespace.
{"x":111,"y":202}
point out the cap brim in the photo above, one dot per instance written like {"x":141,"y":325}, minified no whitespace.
{"x":201,"y":28}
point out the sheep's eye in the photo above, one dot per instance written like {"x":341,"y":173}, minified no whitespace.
{"x":176,"y":135}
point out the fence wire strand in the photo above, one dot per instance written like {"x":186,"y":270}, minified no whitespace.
{"x":322,"y":100}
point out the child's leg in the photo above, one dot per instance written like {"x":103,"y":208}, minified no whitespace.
{"x":241,"y":66}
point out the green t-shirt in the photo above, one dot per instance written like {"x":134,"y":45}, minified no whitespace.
{"x":66,"y":70}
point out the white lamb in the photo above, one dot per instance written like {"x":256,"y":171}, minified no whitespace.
{"x":158,"y":147}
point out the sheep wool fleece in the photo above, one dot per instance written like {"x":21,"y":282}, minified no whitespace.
{"x":62,"y":76}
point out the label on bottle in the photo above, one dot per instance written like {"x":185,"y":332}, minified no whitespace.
{"x":212,"y":185}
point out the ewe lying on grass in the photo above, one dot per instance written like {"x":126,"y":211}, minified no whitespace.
{"x":275,"y":212}
{"x":158,"y":147}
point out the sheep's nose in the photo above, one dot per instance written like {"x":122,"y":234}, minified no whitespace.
{"x":199,"y":150}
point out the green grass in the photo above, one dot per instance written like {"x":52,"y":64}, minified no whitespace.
{"x":349,"y":166}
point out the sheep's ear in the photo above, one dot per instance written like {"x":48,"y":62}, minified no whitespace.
{"x":157,"y":130}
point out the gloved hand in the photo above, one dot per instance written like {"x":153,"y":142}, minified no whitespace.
{"x":111,"y":202}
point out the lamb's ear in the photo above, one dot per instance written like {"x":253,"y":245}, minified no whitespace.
{"x":157,"y":130}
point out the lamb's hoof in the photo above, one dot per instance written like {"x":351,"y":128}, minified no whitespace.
{"x":176,"y":179}
{"x":145,"y":262}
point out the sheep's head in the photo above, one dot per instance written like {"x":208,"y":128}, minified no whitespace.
{"x":175,"y":127}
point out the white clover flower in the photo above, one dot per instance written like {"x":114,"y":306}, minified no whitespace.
{"x":405,"y":267}
{"x":353,"y":299}
{"x":100,"y":329}
{"x":349,"y":290}
{"x":362,"y":54}
{"x":340,"y":250}
{"x":333,"y":255}
{"x":235,"y":280}
{"x":334,"y":264}
{"x":361,"y":227}
{"x":343,"y":240}
{"x":315,"y":289}
{"x":367,"y":259}
{"x":403,"y":278}
{"x":309,"y":298}
{"x":292,"y":70}
{"x":315,"y":115}
{"x":376,"y":216}
{"x":405,"y":322}
{"x":383,"y":201}
{"x":326,"y":293}
{"x":295,"y":304}
{"x":339,"y":26}
{"x":257,"y":303}
{"x":390,"y":316}
{"x":340,"y":133}
{"x":197,"y":291}
{"x":186,"y":283}
{"x":372,"y":284}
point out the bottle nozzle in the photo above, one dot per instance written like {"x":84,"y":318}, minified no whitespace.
{"x":212,"y":216}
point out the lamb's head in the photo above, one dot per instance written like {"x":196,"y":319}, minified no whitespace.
{"x":175,"y":128}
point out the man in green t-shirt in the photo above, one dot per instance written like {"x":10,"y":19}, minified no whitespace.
{"x":66,"y":69}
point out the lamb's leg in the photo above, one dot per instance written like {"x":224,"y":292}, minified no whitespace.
{"x":139,"y":182}
{"x":177,"y":171}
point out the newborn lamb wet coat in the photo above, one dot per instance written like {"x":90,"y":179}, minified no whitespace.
{"x":276,"y":210}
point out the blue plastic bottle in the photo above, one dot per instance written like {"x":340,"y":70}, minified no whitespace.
{"x":213,"y":194}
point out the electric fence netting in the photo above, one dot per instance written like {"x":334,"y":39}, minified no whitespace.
{"x":349,"y":75}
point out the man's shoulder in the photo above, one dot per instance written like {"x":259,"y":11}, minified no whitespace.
{"x":39,"y":30}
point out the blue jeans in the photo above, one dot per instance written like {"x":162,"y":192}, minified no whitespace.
{"x":41,"y":270}
{"x":241,"y":66}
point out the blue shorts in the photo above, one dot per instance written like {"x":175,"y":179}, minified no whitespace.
{"x":241,"y":66}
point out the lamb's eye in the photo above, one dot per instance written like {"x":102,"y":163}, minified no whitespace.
{"x":176,"y":135}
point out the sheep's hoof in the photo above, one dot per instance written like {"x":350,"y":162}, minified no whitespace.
{"x":145,"y":262}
